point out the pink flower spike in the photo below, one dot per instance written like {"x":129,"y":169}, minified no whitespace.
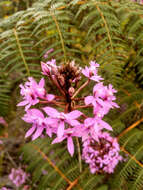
{"x":102,"y":155}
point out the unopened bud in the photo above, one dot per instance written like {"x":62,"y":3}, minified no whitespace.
{"x":72,"y":63}
{"x":47,"y":53}
{"x":45,"y":68}
{"x":54,"y":70}
{"x":71,"y":91}
{"x":61,"y":80}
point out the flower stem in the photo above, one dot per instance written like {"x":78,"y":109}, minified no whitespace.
{"x":84,"y":85}
{"x":60,"y":104}
{"x":11,"y":159}
{"x":79,"y":155}
{"x":78,"y":99}
{"x":83,"y":106}
{"x":54,"y":80}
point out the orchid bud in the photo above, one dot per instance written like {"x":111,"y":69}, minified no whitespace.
{"x":47,"y":53}
{"x":54,"y":70}
{"x":61,"y":80}
{"x":71,"y":91}
{"x":46,"y":69}
{"x":72,"y":64}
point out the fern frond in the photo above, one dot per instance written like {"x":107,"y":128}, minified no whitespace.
{"x":59,"y":165}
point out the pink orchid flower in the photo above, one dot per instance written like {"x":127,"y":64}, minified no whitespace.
{"x":32,"y":91}
{"x":68,"y":134}
{"x":91,"y":72}
{"x":62,"y":118}
{"x":49,"y":67}
{"x":40,"y":123}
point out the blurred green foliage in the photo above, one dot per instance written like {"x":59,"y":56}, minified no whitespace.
{"x":10,"y":7}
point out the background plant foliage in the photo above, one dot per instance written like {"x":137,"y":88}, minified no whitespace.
{"x":111,"y":33}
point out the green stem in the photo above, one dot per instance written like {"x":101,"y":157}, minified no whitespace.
{"x":84,"y":85}
{"x":79,"y":155}
{"x":60,"y":34}
{"x":21,"y":52}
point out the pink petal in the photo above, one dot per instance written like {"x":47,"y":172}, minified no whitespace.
{"x":30,"y":131}
{"x":96,"y":78}
{"x":74,"y":122}
{"x":51,"y":121}
{"x":106,"y":125}
{"x":61,"y":128}
{"x":88,"y":122}
{"x":50,"y":97}
{"x":88,"y":100}
{"x":36,"y":112}
{"x":51,"y":111}
{"x":85,"y":71}
{"x":27,"y":107}
{"x":97,"y":128}
{"x":115,"y":105}
{"x":70,"y":146}
{"x":57,"y":140}
{"x":49,"y":131}
{"x":74,"y":114}
{"x":23,"y":103}
{"x":38,"y":133}
{"x":42,"y":83}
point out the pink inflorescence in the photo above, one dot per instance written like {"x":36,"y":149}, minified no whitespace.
{"x":100,"y":150}
{"x":5,"y":188}
{"x":18,"y":176}
{"x":102,"y":155}
{"x":32,"y":92}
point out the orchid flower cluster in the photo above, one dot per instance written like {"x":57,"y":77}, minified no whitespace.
{"x":100,"y":150}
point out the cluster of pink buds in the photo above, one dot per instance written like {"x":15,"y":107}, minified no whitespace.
{"x":101,"y":155}
{"x":18,"y":176}
{"x":67,"y":122}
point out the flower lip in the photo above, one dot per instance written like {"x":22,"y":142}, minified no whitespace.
{"x":61,"y":116}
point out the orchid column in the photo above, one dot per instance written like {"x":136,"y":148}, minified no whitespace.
{"x":100,"y":150}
